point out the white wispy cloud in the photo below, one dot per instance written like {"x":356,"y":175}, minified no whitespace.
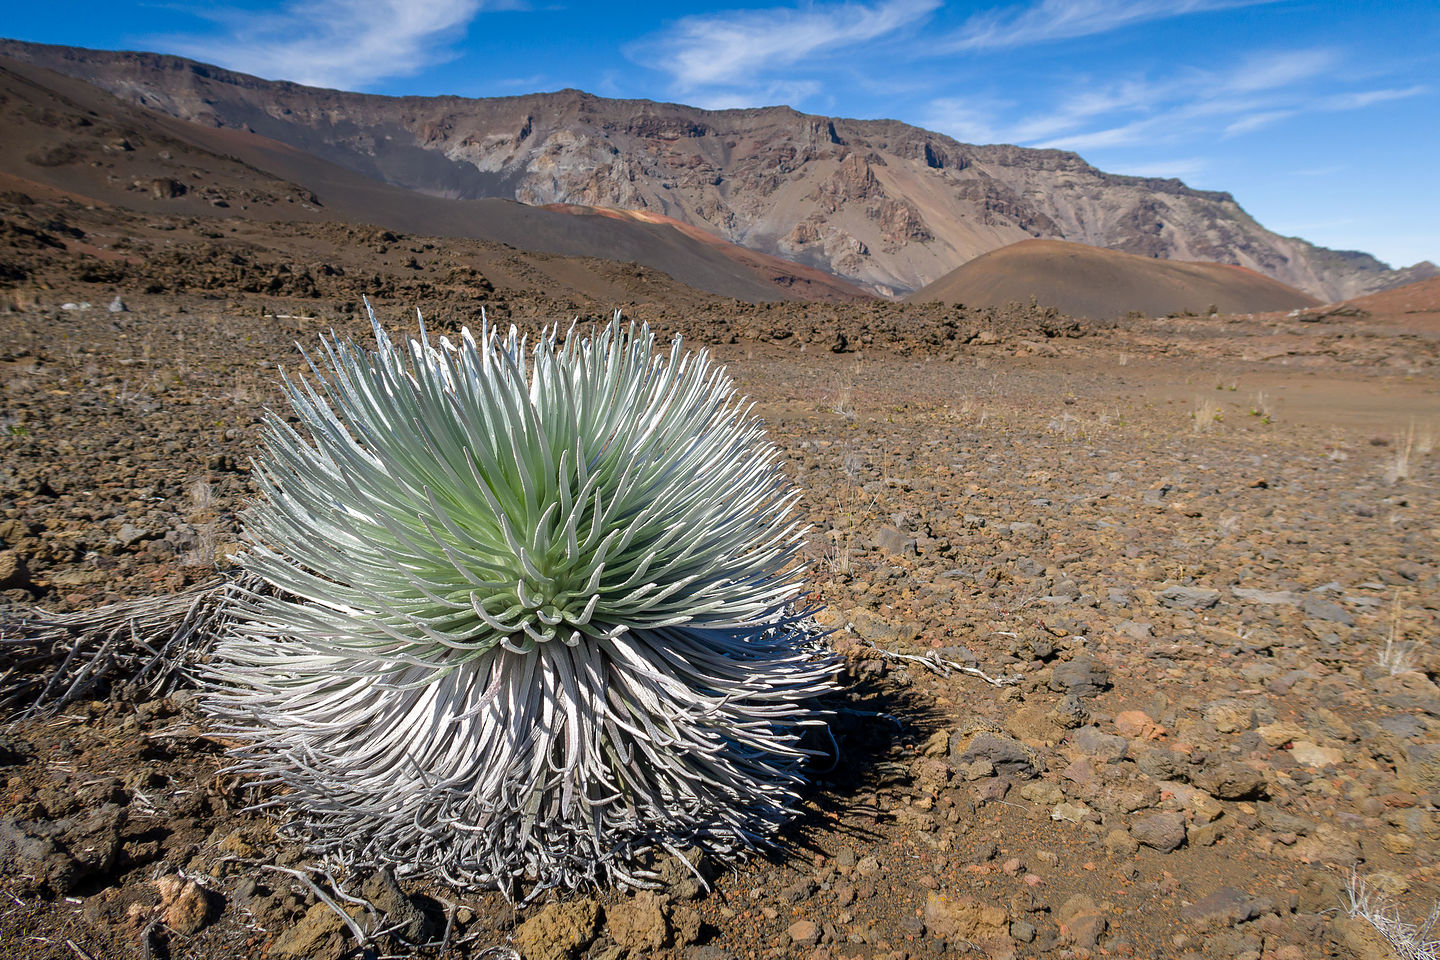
{"x":347,"y":44}
{"x":979,"y":120}
{"x":535,"y":81}
{"x":1051,"y":20}
{"x":1257,"y":121}
{"x":1127,"y":134}
{"x":733,"y":57}
{"x":1353,"y":100}
{"x":1365,"y":98}
{"x":1260,"y":89}
{"x":775,"y":92}
{"x":1091,"y":104}
{"x":964,"y":120}
{"x":1271,"y":70}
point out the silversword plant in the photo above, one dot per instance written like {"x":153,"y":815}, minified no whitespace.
{"x":527,"y":614}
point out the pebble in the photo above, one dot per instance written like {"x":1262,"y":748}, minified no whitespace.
{"x":185,"y":905}
{"x":1120,"y":844}
{"x":557,"y":932}
{"x":1189,"y":598}
{"x":805,"y":933}
{"x":1164,"y":831}
{"x":1314,"y":755}
{"x":1326,"y":610}
{"x":1080,"y":677}
{"x":1081,"y":921}
{"x":1006,"y":754}
{"x":1233,"y":781}
{"x":639,"y":924}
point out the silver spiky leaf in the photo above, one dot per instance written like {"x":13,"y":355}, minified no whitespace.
{"x":531,"y":613}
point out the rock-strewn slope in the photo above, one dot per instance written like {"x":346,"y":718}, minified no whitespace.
{"x":1209,"y":739}
{"x":877,"y":202}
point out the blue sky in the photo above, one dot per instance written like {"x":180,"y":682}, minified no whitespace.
{"x":1322,"y":118}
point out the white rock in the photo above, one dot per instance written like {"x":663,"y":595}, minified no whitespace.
{"x":1314,"y":755}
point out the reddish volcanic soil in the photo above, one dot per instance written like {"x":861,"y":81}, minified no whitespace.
{"x":1103,"y":284}
{"x":1413,"y":307}
{"x":1192,"y":555}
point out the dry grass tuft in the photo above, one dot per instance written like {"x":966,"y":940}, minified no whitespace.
{"x":1401,"y":466}
{"x":1398,"y":656}
{"x":1262,"y":407}
{"x":1408,"y":941}
{"x":843,"y":396}
{"x":1206,"y":414}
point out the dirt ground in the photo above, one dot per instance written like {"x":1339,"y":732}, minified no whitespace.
{"x":1205,"y":546}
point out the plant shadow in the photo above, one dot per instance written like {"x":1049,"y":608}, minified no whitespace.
{"x":876,"y":727}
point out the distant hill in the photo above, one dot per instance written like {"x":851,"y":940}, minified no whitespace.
{"x":1413,"y":307}
{"x":72,"y":137}
{"x":879,"y":203}
{"x":1422,"y":296}
{"x":1085,"y":281}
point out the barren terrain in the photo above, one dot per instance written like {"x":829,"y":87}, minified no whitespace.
{"x":882,"y":204}
{"x":1206,"y":546}
{"x":1085,"y":281}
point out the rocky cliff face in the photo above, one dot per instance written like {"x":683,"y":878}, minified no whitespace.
{"x":880,"y":203}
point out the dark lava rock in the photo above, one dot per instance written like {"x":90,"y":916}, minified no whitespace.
{"x":684,"y":879}
{"x":1101,"y":746}
{"x":14,"y":574}
{"x":890,"y":541}
{"x":1322,"y":609}
{"x":1160,"y":764}
{"x":801,"y":889}
{"x":1225,"y":907}
{"x":1233,"y":781}
{"x":1162,"y":831}
{"x":1081,"y":677}
{"x":59,"y":854}
{"x":1404,"y":725}
{"x":13,"y":750}
{"x":1281,"y":822}
{"x":1006,"y":754}
{"x":385,"y":893}
{"x":1189,"y":598}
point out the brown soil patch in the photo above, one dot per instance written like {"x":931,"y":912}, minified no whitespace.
{"x":1085,"y":281}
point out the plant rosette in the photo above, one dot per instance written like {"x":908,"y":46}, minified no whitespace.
{"x":529,"y":613}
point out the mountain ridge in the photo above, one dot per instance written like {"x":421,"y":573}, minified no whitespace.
{"x":883,"y":204}
{"x":66,"y":134}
